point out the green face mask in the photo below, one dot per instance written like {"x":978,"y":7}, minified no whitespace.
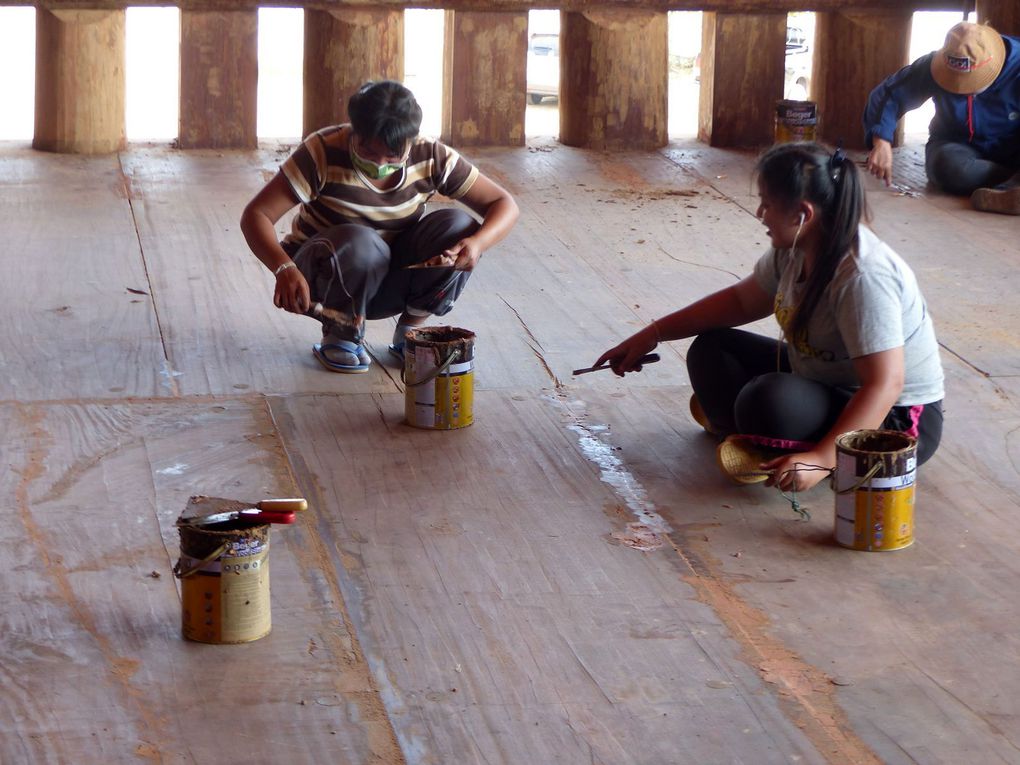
{"x":373,"y":170}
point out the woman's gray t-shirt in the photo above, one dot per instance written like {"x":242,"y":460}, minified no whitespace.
{"x":873,"y":304}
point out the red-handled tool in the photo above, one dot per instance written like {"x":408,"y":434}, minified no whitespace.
{"x":252,"y":515}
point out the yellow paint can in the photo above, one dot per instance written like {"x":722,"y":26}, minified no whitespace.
{"x":224,"y":573}
{"x":438,"y":376}
{"x":876,"y":472}
{"x":796,"y":120}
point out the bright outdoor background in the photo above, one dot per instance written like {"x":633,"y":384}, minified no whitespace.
{"x":152,"y":67}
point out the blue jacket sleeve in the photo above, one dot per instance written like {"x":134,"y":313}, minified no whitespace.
{"x":895,"y":96}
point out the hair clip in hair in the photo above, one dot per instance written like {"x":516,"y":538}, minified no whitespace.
{"x":837,"y":160}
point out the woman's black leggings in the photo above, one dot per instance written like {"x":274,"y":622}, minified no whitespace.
{"x":734,"y":375}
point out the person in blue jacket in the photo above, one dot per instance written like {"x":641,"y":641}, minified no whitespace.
{"x":974,"y":139}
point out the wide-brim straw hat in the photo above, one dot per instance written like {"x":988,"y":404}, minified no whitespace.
{"x":970,"y":60}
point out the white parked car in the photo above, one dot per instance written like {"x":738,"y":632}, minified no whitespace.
{"x":543,"y":67}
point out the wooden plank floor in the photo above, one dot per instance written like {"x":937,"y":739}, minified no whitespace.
{"x":570,"y":580}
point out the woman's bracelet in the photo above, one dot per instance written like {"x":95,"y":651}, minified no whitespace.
{"x":280,"y":269}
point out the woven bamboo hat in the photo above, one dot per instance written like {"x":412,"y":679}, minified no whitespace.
{"x":740,"y":459}
{"x":970,"y":60}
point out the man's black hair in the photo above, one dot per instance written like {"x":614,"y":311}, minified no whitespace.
{"x":387,"y":111}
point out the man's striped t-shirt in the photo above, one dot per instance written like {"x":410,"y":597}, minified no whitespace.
{"x":332,"y":191}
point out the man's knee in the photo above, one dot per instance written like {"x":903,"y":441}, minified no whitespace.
{"x":352,"y":247}
{"x":959,"y":169}
{"x":945,"y":168}
{"x":941,"y":165}
{"x":440,"y":301}
{"x":448,"y":225}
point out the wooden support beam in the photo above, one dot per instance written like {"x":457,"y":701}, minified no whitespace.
{"x":484,"y":78}
{"x":743,"y":63}
{"x":614,"y":72}
{"x":854,"y":52}
{"x":344,"y":6}
{"x":79,"y":81}
{"x":219,"y":79}
{"x":1004,"y":15}
{"x":343,"y":50}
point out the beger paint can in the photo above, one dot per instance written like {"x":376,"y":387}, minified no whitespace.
{"x":796,"y":121}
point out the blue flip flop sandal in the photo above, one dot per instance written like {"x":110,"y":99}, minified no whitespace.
{"x":319,"y":351}
{"x":396,"y":350}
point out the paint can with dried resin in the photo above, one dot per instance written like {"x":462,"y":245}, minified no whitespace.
{"x":224,"y":573}
{"x":875,"y":482}
{"x":796,"y":120}
{"x":438,"y":376}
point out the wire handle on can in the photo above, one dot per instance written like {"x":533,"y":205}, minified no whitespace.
{"x":182,"y":574}
{"x":432,"y":375}
{"x":875,"y":470}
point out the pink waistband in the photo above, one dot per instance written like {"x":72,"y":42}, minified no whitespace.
{"x":803,"y":446}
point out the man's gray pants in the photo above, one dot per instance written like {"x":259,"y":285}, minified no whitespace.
{"x":352,"y":270}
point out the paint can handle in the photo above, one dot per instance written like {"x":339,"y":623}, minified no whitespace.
{"x":179,"y":571}
{"x":875,"y":470}
{"x":434,"y":374}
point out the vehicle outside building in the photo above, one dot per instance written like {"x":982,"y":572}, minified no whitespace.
{"x":798,"y":64}
{"x":543,"y":67}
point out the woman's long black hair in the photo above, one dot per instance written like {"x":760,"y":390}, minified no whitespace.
{"x":793,"y":172}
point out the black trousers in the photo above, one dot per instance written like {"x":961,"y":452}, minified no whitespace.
{"x":744,"y":384}
{"x":958,"y":168}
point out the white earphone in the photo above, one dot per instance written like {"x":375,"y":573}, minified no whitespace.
{"x":796,"y":236}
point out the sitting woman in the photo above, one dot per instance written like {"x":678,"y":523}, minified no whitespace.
{"x":361,"y":244}
{"x":858,"y":349}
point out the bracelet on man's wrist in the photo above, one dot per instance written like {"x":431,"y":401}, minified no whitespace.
{"x":283,"y":267}
{"x":655,"y":328}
